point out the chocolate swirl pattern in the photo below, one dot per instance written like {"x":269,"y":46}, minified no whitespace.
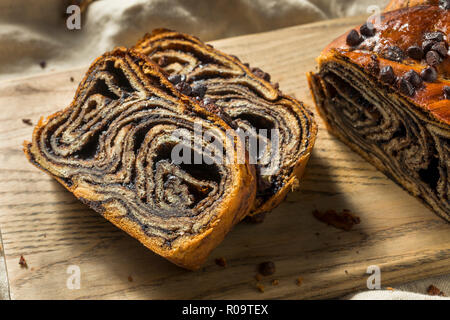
{"x":381,"y":97}
{"x":113,"y":146}
{"x":245,"y":98}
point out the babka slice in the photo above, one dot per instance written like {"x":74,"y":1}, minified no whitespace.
{"x":282,"y":130}
{"x":384,"y":89}
{"x":115,"y":149}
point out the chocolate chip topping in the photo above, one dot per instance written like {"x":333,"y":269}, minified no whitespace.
{"x":184,"y":88}
{"x":415,"y":52}
{"x":209,"y":105}
{"x":429,"y":74}
{"x":354,"y":38}
{"x":367,"y":30}
{"x":427,"y":44}
{"x":434,"y":36}
{"x":177,"y":78}
{"x":440,"y":48}
{"x":447,"y":92}
{"x":198,"y":90}
{"x":433,"y":58}
{"x":387,"y":75}
{"x":406,"y":87}
{"x":414,"y":78}
{"x":394,"y":53}
{"x":261,"y":74}
{"x":444,"y":4}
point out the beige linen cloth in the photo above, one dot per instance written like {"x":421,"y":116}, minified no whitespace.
{"x":35,"y":31}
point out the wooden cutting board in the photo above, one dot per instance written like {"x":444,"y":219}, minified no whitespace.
{"x":43,"y":222}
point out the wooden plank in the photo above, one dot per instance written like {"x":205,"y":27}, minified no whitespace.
{"x":46,"y":224}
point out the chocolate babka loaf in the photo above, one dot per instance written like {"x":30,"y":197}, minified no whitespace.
{"x":113,"y":149}
{"x":244,"y":98}
{"x":384,"y":89}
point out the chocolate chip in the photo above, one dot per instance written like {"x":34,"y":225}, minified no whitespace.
{"x":415,"y":52}
{"x":429,"y":74}
{"x":261,"y":74}
{"x":214,"y":108}
{"x":354,"y":38}
{"x":394,"y":53}
{"x":447,"y":92}
{"x":198,"y":90}
{"x":427,"y":45}
{"x":177,"y":78}
{"x":266,"y":268}
{"x":433,"y":58}
{"x":414,"y":78}
{"x":444,"y":4}
{"x":440,"y":48}
{"x":43,"y":64}
{"x":387,"y":75}
{"x":435,"y":36}
{"x":184,"y":88}
{"x":406,"y":87}
{"x":367,"y":30}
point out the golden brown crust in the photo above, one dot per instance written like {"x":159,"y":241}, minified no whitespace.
{"x":186,"y":250}
{"x":249,"y":95}
{"x":403,"y":28}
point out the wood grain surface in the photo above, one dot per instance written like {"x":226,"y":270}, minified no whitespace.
{"x":43,"y":222}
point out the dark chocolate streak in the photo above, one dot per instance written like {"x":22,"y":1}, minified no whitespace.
{"x":410,"y":148}
{"x":119,"y":142}
{"x":243,"y":96}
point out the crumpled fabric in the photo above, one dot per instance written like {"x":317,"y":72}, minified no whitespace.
{"x":35,"y":31}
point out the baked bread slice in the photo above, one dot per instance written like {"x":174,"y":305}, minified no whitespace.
{"x":384,"y":90}
{"x":112,"y":148}
{"x":245,"y":98}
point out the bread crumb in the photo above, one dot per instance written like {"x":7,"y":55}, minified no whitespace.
{"x":344,"y":220}
{"x":23,"y":262}
{"x":258,"y":277}
{"x":260,"y":287}
{"x":266,"y":268}
{"x":435,"y":291}
{"x":390,"y":288}
{"x":27,"y":122}
{"x":222,"y":262}
{"x":275,"y":282}
{"x":130,"y":279}
{"x":299,"y":281}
